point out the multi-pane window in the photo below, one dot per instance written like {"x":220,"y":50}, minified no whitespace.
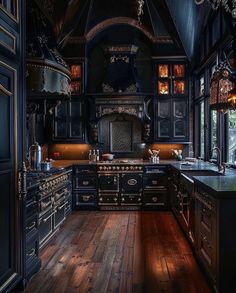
{"x":231,"y":151}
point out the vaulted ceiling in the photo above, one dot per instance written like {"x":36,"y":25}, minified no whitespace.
{"x":173,"y":23}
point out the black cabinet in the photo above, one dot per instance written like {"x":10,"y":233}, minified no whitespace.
{"x":68,"y":123}
{"x":85,"y":186}
{"x":11,"y":133}
{"x":171,"y":105}
{"x":171,"y":120}
{"x":215,"y":220}
{"x":155,"y":187}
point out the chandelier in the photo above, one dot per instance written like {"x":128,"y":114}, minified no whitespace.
{"x":140,"y":9}
{"x":215,"y":4}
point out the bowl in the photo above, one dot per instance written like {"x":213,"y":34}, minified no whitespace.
{"x":107,"y":157}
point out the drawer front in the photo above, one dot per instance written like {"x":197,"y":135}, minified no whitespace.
{"x":32,"y":251}
{"x":31,"y":206}
{"x":31,"y":225}
{"x":207,"y":254}
{"x":156,"y":169}
{"x":85,"y":181}
{"x":108,"y":199}
{"x":153,"y":181}
{"x":86,"y":169}
{"x":85,"y":198}
{"x":155,"y":198}
{"x":131,"y":199}
{"x":206,"y":220}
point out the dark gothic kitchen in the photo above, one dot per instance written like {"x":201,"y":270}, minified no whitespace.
{"x":118,"y":146}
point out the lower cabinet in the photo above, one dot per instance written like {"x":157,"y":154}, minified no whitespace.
{"x":85,"y":186}
{"x":206,"y":232}
{"x":215,"y":238}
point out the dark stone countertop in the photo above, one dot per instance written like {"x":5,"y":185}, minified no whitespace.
{"x":220,"y":186}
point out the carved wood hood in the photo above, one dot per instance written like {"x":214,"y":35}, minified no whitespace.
{"x":138,"y":106}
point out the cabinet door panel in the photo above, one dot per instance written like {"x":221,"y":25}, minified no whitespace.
{"x":179,"y":108}
{"x":5,"y":131}
{"x":164,"y":109}
{"x":164,"y":128}
{"x":8,"y":155}
{"x":75,"y":125}
{"x":180,"y":128}
{"x":5,"y":223}
{"x":60,"y":123}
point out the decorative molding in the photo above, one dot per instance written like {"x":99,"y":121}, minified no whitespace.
{"x":131,"y":110}
{"x":119,"y":21}
{"x":5,"y":91}
{"x":14,"y":17}
{"x":11,"y":37}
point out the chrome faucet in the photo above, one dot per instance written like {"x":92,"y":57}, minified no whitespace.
{"x":221,"y":166}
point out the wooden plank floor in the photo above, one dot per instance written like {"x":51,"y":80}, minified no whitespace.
{"x":119,"y":252}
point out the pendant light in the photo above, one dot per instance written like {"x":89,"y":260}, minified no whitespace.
{"x":222,"y":83}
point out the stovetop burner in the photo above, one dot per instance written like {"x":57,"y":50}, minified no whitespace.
{"x":34,"y":177}
{"x":121,"y":161}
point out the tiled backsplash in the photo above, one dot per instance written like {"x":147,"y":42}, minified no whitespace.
{"x":80,"y":151}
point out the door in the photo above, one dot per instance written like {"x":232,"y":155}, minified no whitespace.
{"x":8,"y":171}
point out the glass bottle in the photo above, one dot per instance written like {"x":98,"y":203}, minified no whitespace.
{"x":94,"y":156}
{"x":97,"y":157}
{"x":90,"y":156}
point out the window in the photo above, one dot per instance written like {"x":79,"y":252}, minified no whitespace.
{"x":202,"y":130}
{"x":213,"y":128}
{"x":201,"y":86}
{"x":231,"y":152}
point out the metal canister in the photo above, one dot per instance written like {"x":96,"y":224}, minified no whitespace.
{"x":35,"y":156}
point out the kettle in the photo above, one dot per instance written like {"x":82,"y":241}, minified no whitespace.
{"x":35,"y":156}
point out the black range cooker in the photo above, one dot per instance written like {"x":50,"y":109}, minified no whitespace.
{"x":119,"y":185}
{"x":54,"y":199}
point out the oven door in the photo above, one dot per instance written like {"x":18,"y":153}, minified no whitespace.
{"x":108,"y":182}
{"x":45,"y":227}
{"x":131,"y":183}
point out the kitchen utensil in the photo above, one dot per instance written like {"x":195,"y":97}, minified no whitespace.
{"x":35,"y":156}
{"x":150,"y":151}
{"x":107,"y":157}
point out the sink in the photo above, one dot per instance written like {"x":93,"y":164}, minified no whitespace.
{"x":191,"y":173}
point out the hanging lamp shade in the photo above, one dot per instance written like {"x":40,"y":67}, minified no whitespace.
{"x":222,"y":83}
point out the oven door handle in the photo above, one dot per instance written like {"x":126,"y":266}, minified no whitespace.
{"x":32,"y":252}
{"x":62,"y":206}
{"x":46,"y":219}
{"x":31,"y":226}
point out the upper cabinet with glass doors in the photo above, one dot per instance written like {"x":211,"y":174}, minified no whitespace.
{"x":171,"y":103}
{"x":171,"y":79}
{"x":77,"y":78}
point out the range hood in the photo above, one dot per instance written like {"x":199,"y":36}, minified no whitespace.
{"x":48,"y":75}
